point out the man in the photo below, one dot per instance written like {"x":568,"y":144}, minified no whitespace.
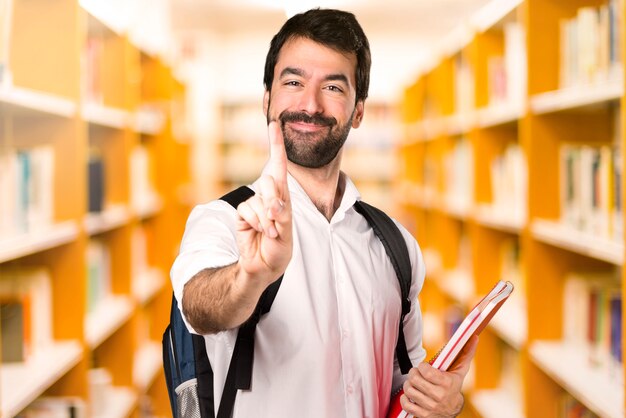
{"x":326,"y":348}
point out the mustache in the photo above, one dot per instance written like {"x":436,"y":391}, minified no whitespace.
{"x":316,"y":119}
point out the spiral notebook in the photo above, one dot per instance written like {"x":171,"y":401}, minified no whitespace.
{"x":473,"y":324}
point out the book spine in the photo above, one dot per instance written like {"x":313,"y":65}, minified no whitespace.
{"x":96,"y":184}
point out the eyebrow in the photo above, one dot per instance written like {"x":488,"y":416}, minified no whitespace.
{"x":301,"y":73}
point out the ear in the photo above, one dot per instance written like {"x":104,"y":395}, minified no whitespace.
{"x":359,"y":109}
{"x":266,"y":101}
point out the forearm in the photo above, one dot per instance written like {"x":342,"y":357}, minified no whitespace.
{"x":218,"y":299}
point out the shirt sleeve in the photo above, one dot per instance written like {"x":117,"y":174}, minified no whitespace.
{"x":413,"y":325}
{"x":209,"y":241}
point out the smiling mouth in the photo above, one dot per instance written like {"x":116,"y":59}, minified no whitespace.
{"x":306,"y":126}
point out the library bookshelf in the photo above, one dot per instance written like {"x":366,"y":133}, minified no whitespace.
{"x":96,"y":160}
{"x":512,"y":169}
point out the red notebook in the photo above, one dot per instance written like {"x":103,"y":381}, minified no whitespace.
{"x":473,"y":324}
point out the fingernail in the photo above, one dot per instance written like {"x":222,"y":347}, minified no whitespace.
{"x":272,"y":232}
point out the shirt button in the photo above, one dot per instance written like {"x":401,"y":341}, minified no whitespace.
{"x":344,"y":334}
{"x":349,"y":389}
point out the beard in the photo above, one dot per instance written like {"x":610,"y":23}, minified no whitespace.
{"x":306,"y":149}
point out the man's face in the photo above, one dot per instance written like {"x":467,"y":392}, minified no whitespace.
{"x":313,"y":96}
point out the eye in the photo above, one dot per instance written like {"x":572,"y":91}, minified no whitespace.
{"x":293,"y":83}
{"x":334,"y":88}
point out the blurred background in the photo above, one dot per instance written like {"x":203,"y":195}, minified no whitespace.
{"x":493,"y":132}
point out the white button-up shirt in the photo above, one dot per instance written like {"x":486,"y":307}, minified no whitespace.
{"x":327,"y":346}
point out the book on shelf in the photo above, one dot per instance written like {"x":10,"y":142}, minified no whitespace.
{"x":100,"y":383}
{"x":142,"y":190}
{"x":26,"y":298}
{"x":592,"y":318}
{"x":589,"y":45}
{"x":464,"y":101}
{"x":507,"y":72}
{"x":26,"y":189}
{"x":590,"y":190}
{"x":515,"y":63}
{"x":473,"y":324}
{"x":497,"y":80}
{"x":92,"y":63}
{"x":55,"y":407}
{"x":509,"y":179}
{"x":96,"y":183}
{"x":458,"y":174}
{"x":13,"y":320}
{"x":510,"y":263}
{"x":98,"y":273}
{"x":570,"y":407}
{"x":6,"y":19}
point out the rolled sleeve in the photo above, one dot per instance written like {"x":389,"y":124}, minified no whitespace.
{"x":209,"y":241}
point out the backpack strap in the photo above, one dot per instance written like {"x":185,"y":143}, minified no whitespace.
{"x":237,"y":196}
{"x":387,"y":231}
{"x":239,"y":374}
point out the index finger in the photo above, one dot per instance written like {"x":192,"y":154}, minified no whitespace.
{"x":278,"y":158}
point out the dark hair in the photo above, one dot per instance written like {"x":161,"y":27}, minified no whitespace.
{"x":335,"y":29}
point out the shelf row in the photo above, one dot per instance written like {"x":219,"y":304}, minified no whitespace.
{"x":572,"y":98}
{"x":551,"y":232}
{"x":23,"y":101}
{"x":57,"y":234}
{"x":31,"y":378}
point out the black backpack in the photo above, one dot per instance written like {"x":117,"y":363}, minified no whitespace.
{"x":188,"y":372}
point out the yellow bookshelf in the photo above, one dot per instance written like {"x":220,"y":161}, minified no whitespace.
{"x":521,"y":103}
{"x":91,"y":91}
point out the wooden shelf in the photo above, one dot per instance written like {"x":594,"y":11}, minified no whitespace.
{"x":38,"y":240}
{"x":147,"y":285}
{"x":24,"y":382}
{"x":25,"y":101}
{"x":566,"y":364}
{"x":559,"y":235}
{"x":460,"y":123}
{"x":496,"y":403}
{"x":511,"y":322}
{"x":148,"y":207}
{"x":149,"y":122}
{"x":506,"y":77}
{"x":458,"y":285}
{"x":430,"y":129}
{"x":121,"y":403}
{"x":91,"y":94}
{"x":577,"y":97}
{"x":147,"y":365}
{"x":497,"y":218}
{"x":455,"y":207}
{"x":108,"y":316}
{"x":113,"y":217}
{"x":502,"y":114}
{"x":105,"y":116}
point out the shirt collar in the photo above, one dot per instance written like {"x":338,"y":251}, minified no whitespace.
{"x":350,"y":194}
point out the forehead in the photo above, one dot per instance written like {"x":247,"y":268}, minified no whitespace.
{"x":315,"y":59}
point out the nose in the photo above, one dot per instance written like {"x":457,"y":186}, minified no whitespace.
{"x":310,"y":101}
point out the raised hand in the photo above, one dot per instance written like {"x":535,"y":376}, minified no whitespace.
{"x":264,"y":230}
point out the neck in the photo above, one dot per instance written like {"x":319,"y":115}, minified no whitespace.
{"x":324,"y":185}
